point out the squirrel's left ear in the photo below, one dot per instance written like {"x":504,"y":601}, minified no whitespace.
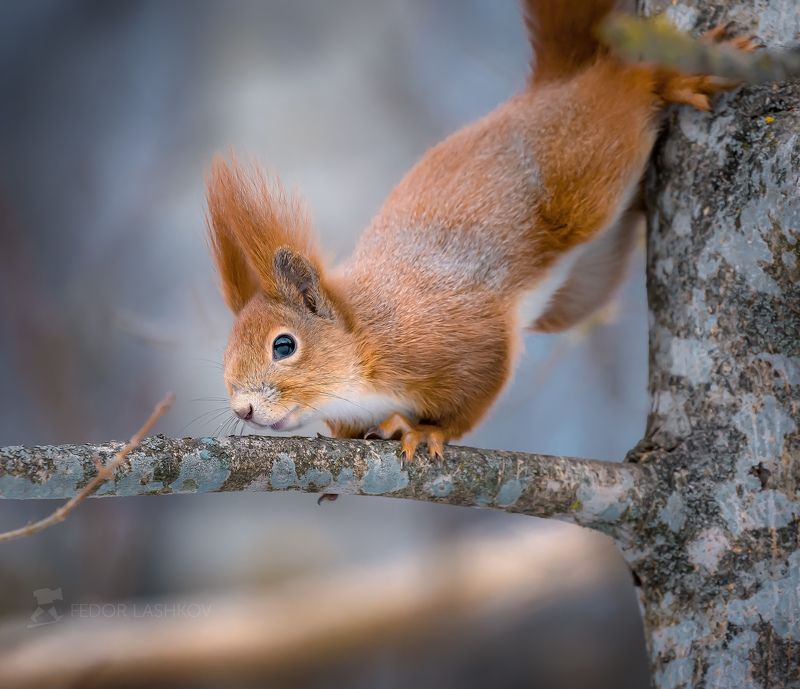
{"x":237,"y":281}
{"x":299,"y":281}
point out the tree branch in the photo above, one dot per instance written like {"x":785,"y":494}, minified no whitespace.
{"x":602,"y":495}
{"x":655,"y":39}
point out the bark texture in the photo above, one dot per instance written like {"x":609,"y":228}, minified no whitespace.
{"x":603,"y":495}
{"x":719,"y":553}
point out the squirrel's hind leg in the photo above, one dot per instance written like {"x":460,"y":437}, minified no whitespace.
{"x":696,"y":89}
{"x":594,"y":278}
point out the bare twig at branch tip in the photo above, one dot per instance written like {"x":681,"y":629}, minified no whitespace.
{"x":657,"y":40}
{"x":104,"y":472}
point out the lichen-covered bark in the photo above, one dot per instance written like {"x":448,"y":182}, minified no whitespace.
{"x":719,"y":554}
{"x":602,"y":495}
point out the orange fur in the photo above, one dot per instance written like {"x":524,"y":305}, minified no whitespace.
{"x":419,"y":330}
{"x":562,"y":35}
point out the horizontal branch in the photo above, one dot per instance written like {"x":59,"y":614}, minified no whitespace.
{"x":597,"y":494}
{"x":656,"y":40}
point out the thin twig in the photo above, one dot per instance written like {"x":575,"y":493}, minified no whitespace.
{"x":103,"y":474}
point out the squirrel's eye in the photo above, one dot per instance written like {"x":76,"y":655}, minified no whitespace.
{"x":283,"y":346}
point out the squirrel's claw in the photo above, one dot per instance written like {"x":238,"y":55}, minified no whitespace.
{"x":410,"y":435}
{"x":721,"y":33}
{"x":718,"y":33}
{"x":696,"y":89}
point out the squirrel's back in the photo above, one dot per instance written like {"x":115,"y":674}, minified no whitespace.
{"x":486,"y":180}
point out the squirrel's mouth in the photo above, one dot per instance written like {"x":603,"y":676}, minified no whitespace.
{"x":281,"y":425}
{"x":288,"y":422}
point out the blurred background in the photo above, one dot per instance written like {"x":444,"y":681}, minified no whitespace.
{"x":110,"y":113}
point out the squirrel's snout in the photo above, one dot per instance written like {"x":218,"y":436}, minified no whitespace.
{"x":244,"y":412}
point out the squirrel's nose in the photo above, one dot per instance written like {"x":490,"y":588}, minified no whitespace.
{"x":245,"y":412}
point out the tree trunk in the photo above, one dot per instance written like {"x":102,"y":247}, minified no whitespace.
{"x":719,"y":554}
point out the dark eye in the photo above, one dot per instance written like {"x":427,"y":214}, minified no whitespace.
{"x":283,"y":346}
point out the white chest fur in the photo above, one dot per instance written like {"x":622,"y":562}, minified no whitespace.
{"x":362,"y":407}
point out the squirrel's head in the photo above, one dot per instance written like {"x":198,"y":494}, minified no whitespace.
{"x":291,"y":352}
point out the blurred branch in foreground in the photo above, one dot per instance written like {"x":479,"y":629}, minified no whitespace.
{"x":308,"y":622}
{"x":608,"y":496}
{"x":655,"y":39}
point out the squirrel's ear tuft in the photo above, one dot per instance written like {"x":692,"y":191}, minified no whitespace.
{"x":238,"y":282}
{"x":299,"y":282}
{"x":253,"y":213}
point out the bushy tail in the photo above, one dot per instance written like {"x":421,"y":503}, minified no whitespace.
{"x":562,"y":34}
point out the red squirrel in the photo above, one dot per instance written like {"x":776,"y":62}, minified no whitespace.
{"x":523,"y":220}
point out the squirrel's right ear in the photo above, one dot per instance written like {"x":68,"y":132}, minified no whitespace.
{"x":299,"y":281}
{"x":238,"y":282}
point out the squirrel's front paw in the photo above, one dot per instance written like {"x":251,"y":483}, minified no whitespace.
{"x":410,"y":435}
